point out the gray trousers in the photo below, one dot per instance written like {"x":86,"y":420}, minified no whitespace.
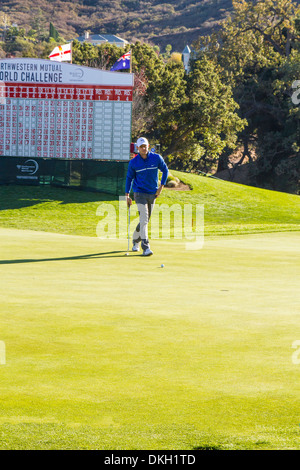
{"x":145,"y":203}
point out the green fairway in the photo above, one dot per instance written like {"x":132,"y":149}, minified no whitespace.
{"x":105,"y":351}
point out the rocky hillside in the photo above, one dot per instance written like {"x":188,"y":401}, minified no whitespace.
{"x":158,"y":22}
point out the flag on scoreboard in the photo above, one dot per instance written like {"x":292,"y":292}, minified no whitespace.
{"x":123,"y":62}
{"x":62,"y":53}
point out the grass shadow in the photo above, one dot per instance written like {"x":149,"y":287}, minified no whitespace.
{"x":208,"y":447}
{"x":108,"y":254}
{"x":17,"y":197}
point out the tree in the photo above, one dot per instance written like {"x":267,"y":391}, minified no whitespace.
{"x":272,"y":20}
{"x":142,"y":107}
{"x":196,"y":110}
{"x":176,"y":57}
{"x":147,"y":66}
{"x":5,"y":24}
{"x":256,"y":48}
{"x":39,"y":25}
{"x":102,"y":56}
{"x":53,"y":33}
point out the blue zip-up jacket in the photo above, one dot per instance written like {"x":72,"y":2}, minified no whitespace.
{"x":143,"y":174}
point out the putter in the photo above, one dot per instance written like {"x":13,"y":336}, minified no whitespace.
{"x":128,"y":231}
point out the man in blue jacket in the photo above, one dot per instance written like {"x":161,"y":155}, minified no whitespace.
{"x":142,"y":175}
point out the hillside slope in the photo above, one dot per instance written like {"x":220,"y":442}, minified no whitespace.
{"x":161,"y":23}
{"x":229,"y":208}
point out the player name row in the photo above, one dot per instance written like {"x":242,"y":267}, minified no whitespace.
{"x":91,"y":93}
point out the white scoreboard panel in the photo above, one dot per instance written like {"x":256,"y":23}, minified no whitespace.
{"x":86,"y":116}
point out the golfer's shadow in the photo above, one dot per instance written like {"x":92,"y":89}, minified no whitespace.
{"x":107,"y":254}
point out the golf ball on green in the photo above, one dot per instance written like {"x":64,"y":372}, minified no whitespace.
{"x":162,"y":265}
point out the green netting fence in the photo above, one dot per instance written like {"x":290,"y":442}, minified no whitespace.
{"x":93,"y":175}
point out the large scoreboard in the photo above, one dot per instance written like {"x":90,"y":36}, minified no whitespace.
{"x":64,"y":111}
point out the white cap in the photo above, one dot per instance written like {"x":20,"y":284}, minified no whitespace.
{"x":142,"y":141}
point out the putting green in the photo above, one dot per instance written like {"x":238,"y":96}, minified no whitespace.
{"x":107,"y":351}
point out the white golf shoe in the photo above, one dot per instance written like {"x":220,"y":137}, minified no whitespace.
{"x":136,"y":247}
{"x":147,"y":252}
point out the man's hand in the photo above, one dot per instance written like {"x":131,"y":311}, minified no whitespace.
{"x":128,"y":200}
{"x":158,"y":192}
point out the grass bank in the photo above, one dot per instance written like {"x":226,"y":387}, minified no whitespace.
{"x":228,"y":208}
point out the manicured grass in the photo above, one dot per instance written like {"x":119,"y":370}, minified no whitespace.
{"x":228,"y":208}
{"x":107,"y":351}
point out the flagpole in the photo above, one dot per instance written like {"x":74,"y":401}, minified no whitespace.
{"x":71,"y":51}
